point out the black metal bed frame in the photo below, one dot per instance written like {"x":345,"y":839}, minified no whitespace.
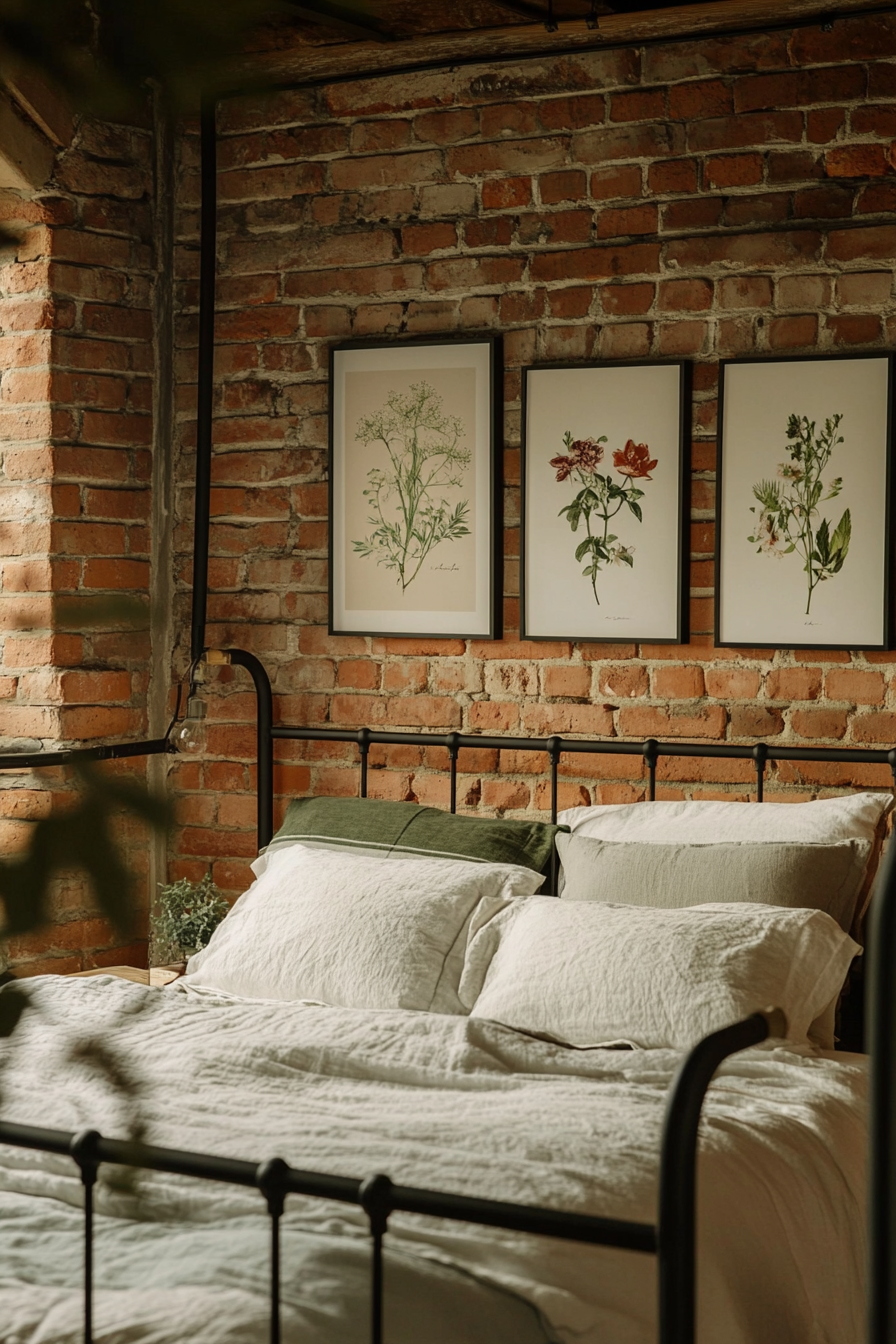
{"x":672,"y":1238}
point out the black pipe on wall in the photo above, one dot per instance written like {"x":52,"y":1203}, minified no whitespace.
{"x":205,"y":389}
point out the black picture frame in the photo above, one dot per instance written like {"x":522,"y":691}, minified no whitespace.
{"x":755,"y":605}
{"x":483,"y":619}
{"x":623,"y":623}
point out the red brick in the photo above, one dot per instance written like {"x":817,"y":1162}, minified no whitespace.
{"x":567,"y":185}
{"x":626,"y":340}
{"x":691,"y":296}
{"x":448,"y":126}
{"x":878,"y":197}
{"x":875,"y":119}
{"x":828,"y":202}
{"x":804,"y":291}
{"x":799,"y":87}
{"x":699,"y":212}
{"x":734,"y":170}
{"x":682,"y":338}
{"x":854,"y":328}
{"x":859,"y":688}
{"x":757,"y":208}
{"x":858,"y":161}
{"x":641,"y":105}
{"x":506,"y":193}
{"x":865,"y":288}
{"x":794,"y":683}
{"x":563,"y":303}
{"x":471,"y":272}
{"x":358,"y":674}
{"x":628,"y":142}
{"x":491,"y":716}
{"x":622,"y":680}
{"x":596,"y":263}
{"x":706,"y":98}
{"x":678,"y":683}
{"x":626,"y":300}
{"x":567,"y":682}
{"x":755,"y":721}
{"x":675,"y":175}
{"x":754,"y":128}
{"x":540,"y":720}
{"x":116,"y":574}
{"x":875,"y":728}
{"x":732,"y":683}
{"x":420,"y":239}
{"x":825,"y":124}
{"x":824,"y":723}
{"x":612,"y":182}
{"x":625,"y":220}
{"x":793,"y":332}
{"x":744,"y":291}
{"x":573,"y":113}
{"x":496,"y":231}
{"x":646,"y":721}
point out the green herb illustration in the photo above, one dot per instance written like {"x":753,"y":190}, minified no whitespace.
{"x":409,"y":512}
{"x":788,"y":507}
{"x":601,"y":498}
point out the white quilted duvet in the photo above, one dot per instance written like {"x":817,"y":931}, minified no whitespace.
{"x":438,"y":1101}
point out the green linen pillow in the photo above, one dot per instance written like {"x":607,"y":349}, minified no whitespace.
{"x":408,"y":830}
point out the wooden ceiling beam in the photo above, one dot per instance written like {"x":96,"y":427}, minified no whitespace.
{"x":312,"y":65}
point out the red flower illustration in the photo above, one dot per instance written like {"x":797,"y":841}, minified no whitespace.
{"x":563,"y":466}
{"x":634,"y":460}
{"x":587,"y":454}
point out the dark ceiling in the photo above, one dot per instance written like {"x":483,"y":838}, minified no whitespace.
{"x":395,"y":20}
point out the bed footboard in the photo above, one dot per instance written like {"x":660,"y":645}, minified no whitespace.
{"x":672,"y":1239}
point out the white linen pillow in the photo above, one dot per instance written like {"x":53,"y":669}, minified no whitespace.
{"x":353,"y":931}
{"x":854,"y":816}
{"x":812,"y":877}
{"x":590,"y":974}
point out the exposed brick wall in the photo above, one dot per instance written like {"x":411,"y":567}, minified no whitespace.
{"x":693,"y":199}
{"x":76,"y":337}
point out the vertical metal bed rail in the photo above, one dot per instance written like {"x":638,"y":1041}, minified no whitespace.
{"x":760,"y":756}
{"x":554,"y":746}
{"x":271,"y":1178}
{"x":453,"y":749}
{"x":651,"y":755}
{"x":375,"y":1197}
{"x":677,"y":1223}
{"x":364,"y":753}
{"x":83,"y":1150}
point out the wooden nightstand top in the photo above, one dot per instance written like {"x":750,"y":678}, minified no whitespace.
{"x":157,"y":976}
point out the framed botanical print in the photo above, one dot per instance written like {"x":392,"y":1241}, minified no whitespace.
{"x":804,"y":552}
{"x":414,"y":499}
{"x":604,"y":502}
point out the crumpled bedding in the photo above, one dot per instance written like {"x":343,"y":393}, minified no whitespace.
{"x":443,"y":1102}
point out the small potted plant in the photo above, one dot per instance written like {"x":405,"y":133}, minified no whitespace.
{"x":185,"y":917}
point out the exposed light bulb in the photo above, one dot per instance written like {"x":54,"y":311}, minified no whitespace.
{"x":190,"y":737}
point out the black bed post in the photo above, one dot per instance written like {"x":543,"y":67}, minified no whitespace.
{"x":265,"y":743}
{"x":677,"y":1223}
{"x":881,"y":1032}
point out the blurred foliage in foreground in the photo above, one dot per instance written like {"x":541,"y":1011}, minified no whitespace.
{"x":81,"y":837}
